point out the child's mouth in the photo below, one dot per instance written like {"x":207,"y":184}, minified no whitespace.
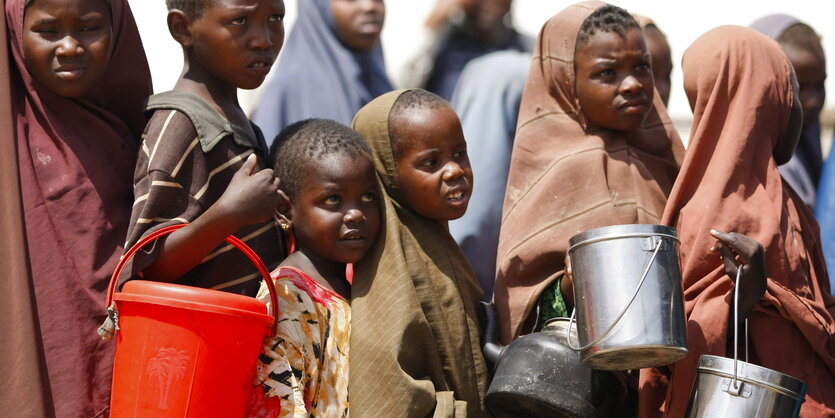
{"x":456,"y":195}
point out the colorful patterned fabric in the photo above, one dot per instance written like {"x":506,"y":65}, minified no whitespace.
{"x":303,"y":370}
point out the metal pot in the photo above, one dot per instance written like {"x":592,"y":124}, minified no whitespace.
{"x":538,"y":375}
{"x":627,"y":291}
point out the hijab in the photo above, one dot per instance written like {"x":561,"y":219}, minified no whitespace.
{"x":415,"y":348}
{"x":566,"y":178}
{"x":803,"y":171}
{"x":739,"y":82}
{"x":318,"y":76}
{"x":76,"y":159}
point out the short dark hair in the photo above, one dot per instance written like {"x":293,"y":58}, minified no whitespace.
{"x":802,"y":36}
{"x":406,"y":103}
{"x":608,"y":18}
{"x":193,"y":8}
{"x":298,"y":148}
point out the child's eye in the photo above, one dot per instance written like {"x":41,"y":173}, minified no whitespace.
{"x":332,"y":200}
{"x":606,"y":73}
{"x":644,"y":66}
{"x":429,"y":162}
{"x":276,"y":18}
{"x":460,"y":154}
{"x":239,"y":21}
{"x":90,"y":28}
{"x":369,"y":197}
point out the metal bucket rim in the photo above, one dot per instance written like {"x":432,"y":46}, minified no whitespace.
{"x":614,"y":232}
{"x":798,"y":392}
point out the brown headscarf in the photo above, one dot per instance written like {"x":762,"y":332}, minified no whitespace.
{"x":76,"y":159}
{"x":565,"y":178}
{"x":415,"y":331}
{"x":739,"y":84}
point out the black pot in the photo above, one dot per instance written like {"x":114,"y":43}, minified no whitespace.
{"x":539,"y":375}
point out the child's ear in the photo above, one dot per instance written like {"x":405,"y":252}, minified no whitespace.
{"x":283,"y":211}
{"x":179,"y":25}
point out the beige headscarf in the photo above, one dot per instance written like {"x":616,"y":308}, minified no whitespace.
{"x":739,"y":82}
{"x":565,"y":178}
{"x":415,"y":340}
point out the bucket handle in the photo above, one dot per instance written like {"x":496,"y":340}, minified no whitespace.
{"x":737,"y":284}
{"x":113,"y":314}
{"x":622,"y":313}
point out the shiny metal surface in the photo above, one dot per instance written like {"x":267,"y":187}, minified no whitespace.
{"x":607,"y":265}
{"x":761,"y":392}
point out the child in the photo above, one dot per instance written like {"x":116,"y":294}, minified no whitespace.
{"x":659,"y":50}
{"x":746,"y":122}
{"x":200,"y":158}
{"x":79,"y":77}
{"x":331,"y":67}
{"x":594,"y":147}
{"x":334,"y":215}
{"x":416,"y":329}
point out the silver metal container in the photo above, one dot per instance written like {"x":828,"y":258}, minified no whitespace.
{"x":757,"y":391}
{"x":627,"y":292}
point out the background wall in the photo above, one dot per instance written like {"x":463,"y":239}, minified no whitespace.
{"x":682,"y":22}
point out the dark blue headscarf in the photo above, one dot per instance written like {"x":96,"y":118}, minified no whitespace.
{"x":318,"y":76}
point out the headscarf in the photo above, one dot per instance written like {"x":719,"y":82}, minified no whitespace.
{"x":414,"y":306}
{"x":803,"y":171}
{"x":318,"y":76}
{"x":76,"y":160}
{"x":566,"y":178}
{"x":739,"y":82}
{"x":487,"y":99}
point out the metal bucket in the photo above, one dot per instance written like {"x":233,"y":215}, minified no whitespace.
{"x":758,"y":391}
{"x":627,"y":292}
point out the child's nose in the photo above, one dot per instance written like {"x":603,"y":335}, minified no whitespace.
{"x":630,"y":84}
{"x":69,"y":47}
{"x":354,"y":216}
{"x":452,"y":171}
{"x":262,"y":38}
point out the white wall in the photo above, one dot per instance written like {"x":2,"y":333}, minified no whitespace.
{"x":683,"y":22}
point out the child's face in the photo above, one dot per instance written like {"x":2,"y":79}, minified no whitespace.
{"x":811,"y":75}
{"x":784,"y":148}
{"x":359,"y":22}
{"x":662,"y":63}
{"x":236,"y":42}
{"x":614,"y":80}
{"x":67,"y":44}
{"x":432,"y":164}
{"x":336,"y":215}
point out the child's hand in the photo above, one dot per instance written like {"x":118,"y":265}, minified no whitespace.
{"x":251,"y":196}
{"x":739,"y":249}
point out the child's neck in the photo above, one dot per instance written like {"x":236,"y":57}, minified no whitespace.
{"x":222,"y":96}
{"x":328,"y":273}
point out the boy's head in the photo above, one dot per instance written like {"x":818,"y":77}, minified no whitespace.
{"x":228,"y":42}
{"x":613,"y":70}
{"x":803,"y":48}
{"x":430,"y":153}
{"x":662,"y":61}
{"x":67,"y":44}
{"x":326,"y":172}
{"x":359,"y":23}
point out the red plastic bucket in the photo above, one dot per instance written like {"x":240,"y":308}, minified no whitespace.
{"x":183,"y":351}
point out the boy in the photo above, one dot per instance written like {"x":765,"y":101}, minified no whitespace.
{"x":200,"y":156}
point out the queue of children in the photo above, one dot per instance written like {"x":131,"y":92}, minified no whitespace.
{"x":378,"y":308}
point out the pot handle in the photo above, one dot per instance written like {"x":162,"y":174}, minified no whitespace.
{"x":112,"y":312}
{"x":491,"y":348}
{"x":736,"y":384}
{"x":617,"y":320}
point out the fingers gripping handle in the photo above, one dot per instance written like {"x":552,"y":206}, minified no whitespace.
{"x":112,"y":323}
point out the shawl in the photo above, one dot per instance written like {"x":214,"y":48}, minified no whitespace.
{"x":317,"y":76}
{"x":739,"y":85}
{"x":803,"y":171}
{"x":566,"y":178}
{"x":487,"y":99}
{"x":76,"y":159}
{"x":415,"y":336}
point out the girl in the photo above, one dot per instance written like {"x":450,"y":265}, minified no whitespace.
{"x":328,"y":176}
{"x":594,"y":147}
{"x":415,"y":300}
{"x":746,"y":121}
{"x":79,"y":80}
{"x":332,"y":64}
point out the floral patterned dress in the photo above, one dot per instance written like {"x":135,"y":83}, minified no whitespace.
{"x":303,"y":370}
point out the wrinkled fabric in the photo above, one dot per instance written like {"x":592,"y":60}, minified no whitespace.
{"x":415,"y":331}
{"x":739,"y":82}
{"x":76,"y":160}
{"x":317,"y":76}
{"x":803,"y":171}
{"x":487,"y":101}
{"x":567,"y":178}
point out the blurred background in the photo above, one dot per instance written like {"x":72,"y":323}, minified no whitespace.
{"x":404,"y":33}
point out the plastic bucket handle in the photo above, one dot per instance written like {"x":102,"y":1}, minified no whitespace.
{"x":234,"y":241}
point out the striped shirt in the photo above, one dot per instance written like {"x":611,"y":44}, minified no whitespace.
{"x":188,"y":156}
